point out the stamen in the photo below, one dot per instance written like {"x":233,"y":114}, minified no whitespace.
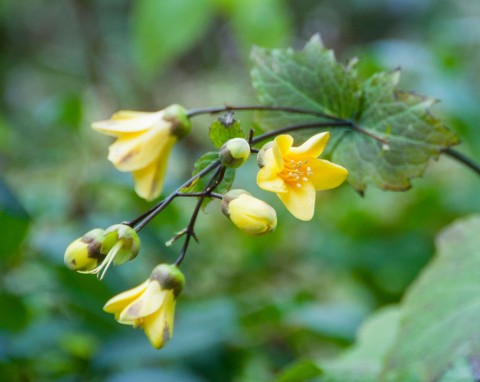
{"x":304,"y":179}
{"x":299,"y":185}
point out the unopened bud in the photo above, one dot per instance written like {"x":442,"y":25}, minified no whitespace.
{"x":261,"y":154}
{"x":248,"y":213}
{"x":234,"y":152}
{"x":126,"y":238}
{"x":85,"y":253}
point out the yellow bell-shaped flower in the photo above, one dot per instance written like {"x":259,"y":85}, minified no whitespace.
{"x":143,"y":145}
{"x":151,"y":305}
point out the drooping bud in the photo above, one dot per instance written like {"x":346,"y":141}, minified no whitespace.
{"x":261,"y":154}
{"x":85,"y":253}
{"x":126,"y":238}
{"x":248,"y":213}
{"x":234,"y":152}
{"x":180,"y":123}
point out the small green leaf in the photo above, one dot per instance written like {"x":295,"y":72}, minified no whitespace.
{"x":204,"y":161}
{"x":222,"y":130}
{"x":201,"y":184}
{"x":441,"y":311}
{"x":165,"y":29}
{"x":300,"y":371}
{"x":312,"y":79}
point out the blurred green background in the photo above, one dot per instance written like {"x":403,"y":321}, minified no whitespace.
{"x":251,"y":306}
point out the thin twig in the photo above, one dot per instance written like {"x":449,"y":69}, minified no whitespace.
{"x":470,"y":163}
{"x":145,"y":218}
{"x":190,"y":230}
{"x":293,"y":110}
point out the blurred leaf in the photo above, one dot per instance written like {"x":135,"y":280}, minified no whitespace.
{"x":163,"y":30}
{"x":441,"y":311}
{"x":300,"y":371}
{"x":363,"y":362}
{"x":220,"y":132}
{"x":338,"y":320}
{"x":14,"y":313}
{"x":312,"y":79}
{"x":260,"y":22}
{"x":14,"y":222}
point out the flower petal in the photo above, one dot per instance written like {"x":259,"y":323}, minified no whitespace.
{"x":128,"y":122}
{"x":300,"y":201}
{"x":148,"y":302}
{"x":280,"y":146}
{"x":149,"y":180}
{"x":159,"y":325}
{"x":326,"y":175}
{"x":268,"y":179}
{"x":313,"y":146}
{"x":118,"y":303}
{"x":134,"y":151}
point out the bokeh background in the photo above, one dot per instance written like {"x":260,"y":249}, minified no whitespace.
{"x":251,"y":306}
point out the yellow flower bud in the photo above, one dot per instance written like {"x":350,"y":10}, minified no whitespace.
{"x":234,"y":152}
{"x":84,"y":253}
{"x":248,"y":213}
{"x":120,"y":244}
{"x":151,"y":305}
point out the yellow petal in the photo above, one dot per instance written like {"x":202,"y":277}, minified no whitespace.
{"x":159,"y":326}
{"x":268,"y":179}
{"x":124,"y":122}
{"x":118,"y":303}
{"x":280,"y":146}
{"x":326,"y":175}
{"x":149,"y":180}
{"x":130,"y":114}
{"x":300,"y":201}
{"x":252,"y":215}
{"x":134,"y":151}
{"x":312,"y":147}
{"x":147,"y":303}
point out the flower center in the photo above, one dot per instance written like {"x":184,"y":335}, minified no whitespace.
{"x":296,"y":172}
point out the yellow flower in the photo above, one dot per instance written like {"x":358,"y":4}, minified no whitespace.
{"x":295,"y":173}
{"x":151,"y":305}
{"x":144,"y":141}
{"x":248,"y":213}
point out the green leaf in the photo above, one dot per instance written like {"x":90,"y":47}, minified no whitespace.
{"x":312,"y":79}
{"x":201,"y":184}
{"x":204,"y":161}
{"x":164,"y":30}
{"x":221,"y":131}
{"x":441,"y":311}
{"x":260,"y":22}
{"x":364,"y":361}
{"x":14,"y":312}
{"x":300,"y":371}
{"x":14,"y":222}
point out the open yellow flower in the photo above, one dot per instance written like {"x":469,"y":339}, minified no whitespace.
{"x":151,"y":305}
{"x":144,"y":141}
{"x":295,"y":173}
